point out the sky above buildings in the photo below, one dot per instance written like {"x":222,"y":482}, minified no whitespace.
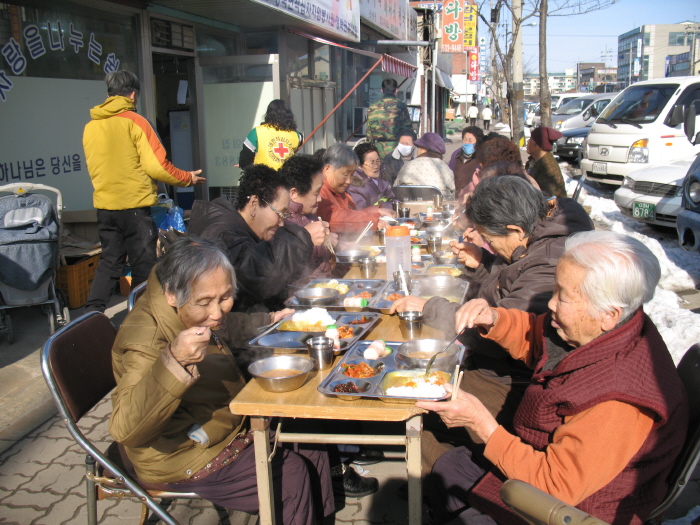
{"x":593,"y":37}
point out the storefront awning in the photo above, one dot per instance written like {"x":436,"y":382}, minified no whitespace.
{"x":389,"y":64}
{"x":443,"y":79}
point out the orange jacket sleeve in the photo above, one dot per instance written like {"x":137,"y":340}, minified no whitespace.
{"x":337,"y":211}
{"x":516,"y":331}
{"x":586,"y":452}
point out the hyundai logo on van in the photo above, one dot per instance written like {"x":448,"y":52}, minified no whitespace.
{"x":604,"y":152}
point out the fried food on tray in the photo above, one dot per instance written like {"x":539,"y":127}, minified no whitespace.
{"x":394,"y":296}
{"x":360,"y":370}
{"x":364,"y":295}
{"x":361,"y":320}
{"x":416,"y":240}
{"x":346,"y":332}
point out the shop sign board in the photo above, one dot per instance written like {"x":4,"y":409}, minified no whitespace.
{"x":390,"y":17}
{"x":452,"y":27}
{"x":341,"y":18}
{"x":471,"y":20}
{"x":473,"y":66}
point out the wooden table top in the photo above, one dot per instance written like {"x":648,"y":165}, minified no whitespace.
{"x":308,"y":402}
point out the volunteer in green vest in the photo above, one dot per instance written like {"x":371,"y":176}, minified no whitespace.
{"x":274,"y":140}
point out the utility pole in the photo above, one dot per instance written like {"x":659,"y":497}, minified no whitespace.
{"x":518,"y":94}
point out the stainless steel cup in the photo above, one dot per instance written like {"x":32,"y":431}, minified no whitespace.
{"x":434,"y":243}
{"x":448,"y":210}
{"x":397,"y":205}
{"x":437,"y":201}
{"x":368,"y":267}
{"x":407,"y":279}
{"x":411,"y":325}
{"x":321,"y":352}
{"x":381,"y":237}
{"x":405,"y":213}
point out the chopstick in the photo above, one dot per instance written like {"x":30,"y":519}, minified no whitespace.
{"x":369,"y":225}
{"x":328,"y":242}
{"x":456,"y":381}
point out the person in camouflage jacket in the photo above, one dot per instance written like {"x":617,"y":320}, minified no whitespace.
{"x":386,"y":119}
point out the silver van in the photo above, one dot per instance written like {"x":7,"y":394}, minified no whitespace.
{"x":579,"y":112}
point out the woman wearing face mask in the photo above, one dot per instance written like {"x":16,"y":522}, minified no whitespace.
{"x":463,"y":162}
{"x":404,"y":152}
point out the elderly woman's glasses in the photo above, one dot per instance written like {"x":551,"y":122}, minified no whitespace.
{"x":374,"y":163}
{"x":284,"y":216}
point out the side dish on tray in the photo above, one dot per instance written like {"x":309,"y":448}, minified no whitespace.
{"x":360,"y":370}
{"x":341,"y":287}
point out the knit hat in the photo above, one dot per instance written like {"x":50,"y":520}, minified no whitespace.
{"x":432,"y":142}
{"x":544,"y":137}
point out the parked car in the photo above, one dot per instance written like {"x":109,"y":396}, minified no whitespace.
{"x":570,"y":145}
{"x":653,"y":194}
{"x":557,"y":102}
{"x":642,"y":126}
{"x":688,"y":224}
{"x":580,"y":111}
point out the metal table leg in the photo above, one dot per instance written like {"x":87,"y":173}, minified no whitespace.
{"x":414,"y":427}
{"x":261,"y":439}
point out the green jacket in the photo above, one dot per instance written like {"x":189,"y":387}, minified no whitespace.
{"x":157,"y":401}
{"x":386,"y":118}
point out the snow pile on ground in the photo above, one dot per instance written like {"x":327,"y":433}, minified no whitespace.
{"x":680,"y":270}
{"x":687,"y":519}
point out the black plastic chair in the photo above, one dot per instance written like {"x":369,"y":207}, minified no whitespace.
{"x":77,"y":364}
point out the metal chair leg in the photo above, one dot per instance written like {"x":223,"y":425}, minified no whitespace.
{"x":91,"y":471}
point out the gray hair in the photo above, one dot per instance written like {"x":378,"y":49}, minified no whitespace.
{"x":500,"y":201}
{"x":340,"y":155}
{"x":186,"y":261}
{"x":621,"y":272}
{"x":122,"y":83}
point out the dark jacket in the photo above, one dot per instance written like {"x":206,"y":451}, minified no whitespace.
{"x":320,"y":259}
{"x":547,"y":173}
{"x":366,"y":191}
{"x":392,"y":164}
{"x":463,"y":166}
{"x":263,"y":268}
{"x":527,"y":284}
{"x":630,"y":364}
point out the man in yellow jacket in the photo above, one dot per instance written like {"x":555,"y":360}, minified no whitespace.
{"x":125,"y":158}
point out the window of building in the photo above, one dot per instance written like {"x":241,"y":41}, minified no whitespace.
{"x":647,"y":39}
{"x":676,"y":39}
{"x":214,"y":44}
{"x":264,"y":43}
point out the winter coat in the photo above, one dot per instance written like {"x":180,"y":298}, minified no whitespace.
{"x":547,"y":174}
{"x":157,"y":400}
{"x":427,"y":171}
{"x":263,"y":268}
{"x":527,"y":283}
{"x":320,"y":259}
{"x":463,"y":166}
{"x":392,"y":164}
{"x":125,"y":158}
{"x":386,"y":119}
{"x":339,"y":210}
{"x":366,"y":191}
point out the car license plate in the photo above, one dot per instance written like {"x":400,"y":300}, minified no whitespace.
{"x":642,"y":210}
{"x":600,"y":167}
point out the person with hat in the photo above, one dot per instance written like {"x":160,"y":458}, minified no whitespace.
{"x":428,"y":169}
{"x":543,"y":167}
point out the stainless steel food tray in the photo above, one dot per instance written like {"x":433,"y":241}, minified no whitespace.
{"x":443,"y":270}
{"x":275,"y":338}
{"x":451,"y":288}
{"x":355,"y":286}
{"x":371,"y":387}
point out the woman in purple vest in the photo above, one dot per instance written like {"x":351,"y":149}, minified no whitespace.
{"x":367,"y":187}
{"x":605,"y":415}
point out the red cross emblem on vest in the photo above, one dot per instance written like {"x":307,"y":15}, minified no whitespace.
{"x":281,"y":150}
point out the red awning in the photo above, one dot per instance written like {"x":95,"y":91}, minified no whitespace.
{"x":389,"y":64}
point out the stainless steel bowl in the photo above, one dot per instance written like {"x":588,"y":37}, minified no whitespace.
{"x":351,"y":256}
{"x":281,"y":362}
{"x":317,"y":296}
{"x":428,"y":347}
{"x":444,"y":257}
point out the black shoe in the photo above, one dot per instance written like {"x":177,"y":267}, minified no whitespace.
{"x":368,"y":456}
{"x":351,"y":484}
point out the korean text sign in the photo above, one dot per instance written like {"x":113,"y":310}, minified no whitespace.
{"x":452,"y":27}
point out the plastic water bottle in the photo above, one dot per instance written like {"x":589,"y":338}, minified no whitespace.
{"x":398,"y":250}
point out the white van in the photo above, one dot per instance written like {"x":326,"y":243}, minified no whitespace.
{"x":580,"y":111}
{"x":644,"y":125}
{"x":557,"y":101}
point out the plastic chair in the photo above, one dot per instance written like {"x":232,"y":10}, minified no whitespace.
{"x":77,"y":364}
{"x":539,"y":508}
{"x":415,"y":193}
{"x":134,"y":295}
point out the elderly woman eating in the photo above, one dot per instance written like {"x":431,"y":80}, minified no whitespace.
{"x":175,"y":379}
{"x":527,"y":238}
{"x":605,"y":414}
{"x":367,"y":188}
{"x":267,"y":252}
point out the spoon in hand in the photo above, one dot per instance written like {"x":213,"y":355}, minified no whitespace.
{"x":432,"y":359}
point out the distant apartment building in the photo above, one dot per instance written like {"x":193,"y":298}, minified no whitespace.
{"x":642,"y":52}
{"x":558,"y":82}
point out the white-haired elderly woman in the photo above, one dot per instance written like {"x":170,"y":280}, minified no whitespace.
{"x":337,"y":206}
{"x":175,"y":379}
{"x":605,"y":414}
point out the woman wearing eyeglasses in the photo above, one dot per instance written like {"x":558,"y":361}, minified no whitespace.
{"x":367,"y":187}
{"x":267,"y":252}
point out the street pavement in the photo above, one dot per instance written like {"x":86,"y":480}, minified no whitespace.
{"x":42,"y":469}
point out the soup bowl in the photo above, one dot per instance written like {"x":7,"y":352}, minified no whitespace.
{"x":264,"y":372}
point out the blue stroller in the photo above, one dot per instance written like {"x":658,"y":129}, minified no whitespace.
{"x":30,"y":233}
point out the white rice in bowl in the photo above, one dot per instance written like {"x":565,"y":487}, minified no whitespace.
{"x":422,"y":389}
